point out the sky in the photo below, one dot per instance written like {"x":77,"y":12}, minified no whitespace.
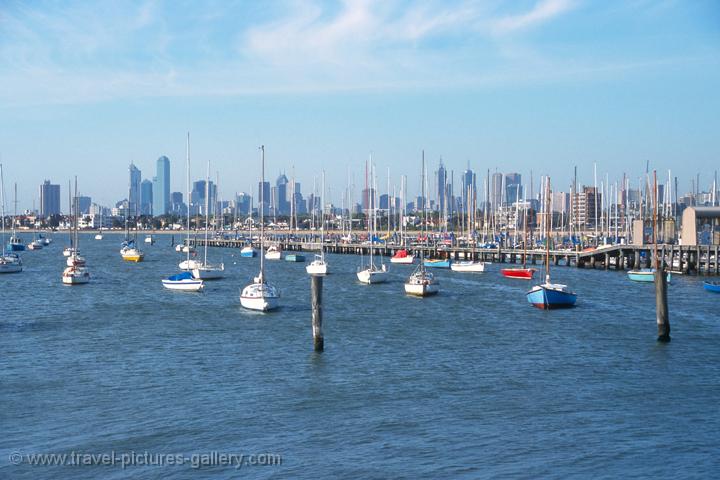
{"x":513,"y":86}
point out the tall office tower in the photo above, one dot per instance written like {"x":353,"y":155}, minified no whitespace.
{"x":146,"y":196}
{"x":441,"y":186}
{"x":135,"y":181}
{"x":49,"y":199}
{"x":469,"y":184}
{"x":496,"y":191}
{"x":513,"y":188}
{"x":161,"y":187}
{"x":264,"y":197}
{"x":280,"y":197}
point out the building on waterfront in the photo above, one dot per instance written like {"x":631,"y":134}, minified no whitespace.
{"x":146,"y":196}
{"x":84,"y":204}
{"x":197,"y":197}
{"x":49,"y":199}
{"x":496,"y":191}
{"x":243,"y":203}
{"x":368,"y":199}
{"x":700,"y":226}
{"x":177,"y":206}
{"x":469,"y":192}
{"x":135,"y":181}
{"x":587,"y":206}
{"x":161,"y":187}
{"x":280,"y":195}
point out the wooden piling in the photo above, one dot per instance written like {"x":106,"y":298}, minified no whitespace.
{"x":663,"y":318}
{"x":316,"y":282}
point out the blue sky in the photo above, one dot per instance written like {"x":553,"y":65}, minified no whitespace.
{"x":86,"y":87}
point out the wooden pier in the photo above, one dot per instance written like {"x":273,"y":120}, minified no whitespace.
{"x":693,"y":260}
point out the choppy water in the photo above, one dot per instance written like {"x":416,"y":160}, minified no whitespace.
{"x":472,"y":383}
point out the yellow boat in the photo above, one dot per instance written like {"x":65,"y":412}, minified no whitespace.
{"x":133,"y":255}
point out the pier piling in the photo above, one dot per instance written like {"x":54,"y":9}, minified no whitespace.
{"x":663,"y":319}
{"x":316,"y":283}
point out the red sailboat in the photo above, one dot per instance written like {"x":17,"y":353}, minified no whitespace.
{"x":523,"y":273}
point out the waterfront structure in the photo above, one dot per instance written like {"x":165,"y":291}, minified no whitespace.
{"x":84,"y":205}
{"x":49,"y":199}
{"x":700,"y":226}
{"x":586,"y":207}
{"x":161,"y":187}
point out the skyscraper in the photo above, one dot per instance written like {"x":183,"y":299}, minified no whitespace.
{"x":197,"y":197}
{"x":441,"y":187}
{"x":264,"y":197}
{"x":146,"y":197}
{"x":513,"y":188}
{"x":49,"y":199}
{"x":161,"y":187}
{"x":469,"y":193}
{"x":280,"y":199}
{"x":135,"y":180}
{"x":496,"y":191}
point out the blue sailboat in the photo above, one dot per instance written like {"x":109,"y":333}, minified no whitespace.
{"x":549,"y":295}
{"x":645,"y":275}
{"x":712,"y":286}
{"x":437,"y":263}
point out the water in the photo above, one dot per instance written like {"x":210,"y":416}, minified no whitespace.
{"x":472,"y":383}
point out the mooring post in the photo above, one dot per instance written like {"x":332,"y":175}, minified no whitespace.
{"x":663,"y":319}
{"x":316,"y":282}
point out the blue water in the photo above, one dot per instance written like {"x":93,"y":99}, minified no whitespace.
{"x":472,"y":383}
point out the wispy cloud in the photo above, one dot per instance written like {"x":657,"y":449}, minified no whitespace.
{"x":542,"y":12}
{"x":74,"y":53}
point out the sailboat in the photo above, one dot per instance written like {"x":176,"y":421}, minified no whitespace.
{"x":550,"y":295}
{"x":421,"y":282}
{"x":648,"y":274}
{"x":99,"y":235}
{"x":273,"y":253}
{"x":129,"y":250}
{"x":371,"y":273}
{"x":247,"y":251}
{"x":184,"y":281}
{"x":261,"y":295}
{"x":402,"y":256}
{"x":203,"y":270}
{"x":36,"y":244}
{"x":522,"y":273}
{"x":9,"y":262}
{"x":319,"y":266}
{"x":75,"y":272}
{"x":16,"y":243}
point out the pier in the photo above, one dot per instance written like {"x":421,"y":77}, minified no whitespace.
{"x":688,"y":260}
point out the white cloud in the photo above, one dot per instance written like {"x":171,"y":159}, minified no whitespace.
{"x":543,"y":11}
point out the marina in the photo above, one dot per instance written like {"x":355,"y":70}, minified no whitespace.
{"x":581,"y":383}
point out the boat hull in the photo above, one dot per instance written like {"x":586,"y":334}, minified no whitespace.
{"x":421,"y":290}
{"x":208,"y":273}
{"x":468,"y":267}
{"x":369,"y":277}
{"x":645,"y":276}
{"x":75,"y":276}
{"x":10,"y":267}
{"x":261,"y":299}
{"x":273,"y":256}
{"x":407,"y":260}
{"x":133,"y":258}
{"x":316,"y":268}
{"x":249,"y":253}
{"x":712,"y":287}
{"x":519,"y":273}
{"x":184,"y":285}
{"x":16,"y":247}
{"x":437,"y":263}
{"x":294,"y":258}
{"x":549,"y":298}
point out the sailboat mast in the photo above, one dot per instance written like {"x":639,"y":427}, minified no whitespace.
{"x":76,"y":217}
{"x":262,"y":216}
{"x":2,"y":200}
{"x":422,"y":188}
{"x":187,"y":197}
{"x":655,"y":259}
{"x":547,"y":226}
{"x":207,"y":210}
{"x":322,"y":218}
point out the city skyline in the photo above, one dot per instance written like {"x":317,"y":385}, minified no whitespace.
{"x":508,"y":86}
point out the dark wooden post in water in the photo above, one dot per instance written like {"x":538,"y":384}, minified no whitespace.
{"x":316,"y":282}
{"x":663,"y":319}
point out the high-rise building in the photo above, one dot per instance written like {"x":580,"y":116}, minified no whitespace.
{"x":161,"y":187}
{"x":197,"y":197}
{"x":586,"y":207}
{"x":496,"y":191}
{"x":177,"y":207}
{"x":49,"y":199}
{"x":84,"y":205}
{"x":264,"y":197}
{"x":280,"y":196}
{"x":368,"y":199}
{"x":513,"y":188}
{"x":469,"y":186}
{"x":441,"y":187}
{"x":146,"y":196}
{"x":243,"y":203}
{"x":135,"y":181}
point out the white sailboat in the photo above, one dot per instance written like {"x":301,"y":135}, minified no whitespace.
{"x":99,"y":235}
{"x":184,"y":281}
{"x":319,"y":266}
{"x":204,"y":270}
{"x":9,"y":262}
{"x":371,"y":273}
{"x":76,"y":272}
{"x":273,"y":253}
{"x":421,"y":282}
{"x":260,"y":295}
{"x":130,"y":251}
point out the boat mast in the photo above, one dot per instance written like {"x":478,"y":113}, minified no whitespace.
{"x":76,"y":220}
{"x":2,"y":200}
{"x":207,"y":209}
{"x":655,"y":259}
{"x":187,"y":193}
{"x":262,"y":216}
{"x":547,"y":226}
{"x":422,"y":188}
{"x":322,"y":218}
